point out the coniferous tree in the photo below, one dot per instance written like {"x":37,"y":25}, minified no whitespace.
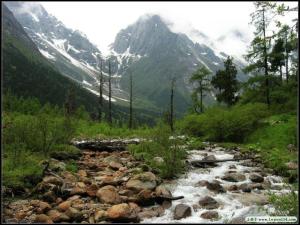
{"x":172,"y":105}
{"x":69,"y":105}
{"x":277,"y":57}
{"x":261,"y":44}
{"x":201,"y":77}
{"x":227,"y":84}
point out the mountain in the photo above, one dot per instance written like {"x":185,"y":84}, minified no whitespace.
{"x":27,"y":73}
{"x":68,"y":50}
{"x":153,"y":54}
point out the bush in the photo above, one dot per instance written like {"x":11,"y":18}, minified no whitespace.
{"x":163,"y":146}
{"x":286,"y":204}
{"x":223,"y":124}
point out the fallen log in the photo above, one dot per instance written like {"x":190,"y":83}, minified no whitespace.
{"x":204,"y":163}
{"x":160,"y":199}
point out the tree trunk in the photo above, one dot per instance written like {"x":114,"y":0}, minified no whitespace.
{"x":172,"y":105}
{"x":280,"y":69}
{"x":286,"y":58}
{"x":266,"y":61}
{"x":100,"y":92}
{"x":130,"y":107}
{"x":109,"y":94}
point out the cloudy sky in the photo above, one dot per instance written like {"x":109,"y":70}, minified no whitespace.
{"x":101,"y":21}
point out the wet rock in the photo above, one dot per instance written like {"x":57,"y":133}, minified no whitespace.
{"x":245,"y":187}
{"x":249,"y":199}
{"x":41,"y":207}
{"x":108,"y":194}
{"x":208,"y":203}
{"x":258,"y":186}
{"x":232,"y":188}
{"x":162,"y":190}
{"x":232,"y":167}
{"x":216,"y":187}
{"x":210,"y":215}
{"x":201,"y":183}
{"x":122,"y":213}
{"x":142,"y":181}
{"x":42,"y":218}
{"x":256,"y":178}
{"x":234,"y":177}
{"x":166,"y":204}
{"x":182,"y":211}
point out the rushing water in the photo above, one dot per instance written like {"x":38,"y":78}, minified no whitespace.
{"x":232,"y":205}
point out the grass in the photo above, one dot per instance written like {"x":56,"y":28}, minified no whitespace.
{"x":286,"y":204}
{"x":90,"y":129}
{"x":272,"y":139}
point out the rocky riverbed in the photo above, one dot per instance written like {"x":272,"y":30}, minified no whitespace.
{"x":114,"y":187}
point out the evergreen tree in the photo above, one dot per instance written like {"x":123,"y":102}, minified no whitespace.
{"x":69,"y":105}
{"x":201,"y":77}
{"x":260,"y":46}
{"x":130,"y":102}
{"x":225,"y":81}
{"x":172,"y":105}
{"x":277,"y":57}
{"x":100,"y":92}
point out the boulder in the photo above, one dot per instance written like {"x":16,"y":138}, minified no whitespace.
{"x":216,"y":187}
{"x":182,"y":211}
{"x":74,"y":214}
{"x":82,"y":173}
{"x":234,"y":177}
{"x":162,"y":190}
{"x":115,"y":165}
{"x":208,"y":203}
{"x":42,"y":218}
{"x":245,"y":187}
{"x":232,"y":188}
{"x":108,"y":194}
{"x":52,"y":180}
{"x":210,"y":215}
{"x":100,"y":215}
{"x":254,"y":177}
{"x":201,"y":183}
{"x":122,"y":213}
{"x":64,"y":206}
{"x":41,"y":207}
{"x":146,"y":180}
{"x":91,"y":190}
{"x":210,"y":157}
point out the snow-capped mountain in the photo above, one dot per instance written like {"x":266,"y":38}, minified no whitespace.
{"x":154,"y":54}
{"x":148,"y":49}
{"x":69,"y":50}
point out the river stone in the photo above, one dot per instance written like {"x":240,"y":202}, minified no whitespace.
{"x":208,"y":203}
{"x":245,"y":187}
{"x":234,"y":177}
{"x":122,"y":213}
{"x":115,"y":165}
{"x":249,"y":199}
{"x":42,"y":218}
{"x":100,"y":215}
{"x":162,"y":190}
{"x":201,"y":183}
{"x":91,"y":190}
{"x":52,"y":180}
{"x":142,"y":181}
{"x":232,"y":167}
{"x":210,"y":215}
{"x":209,"y":157}
{"x":216,"y":187}
{"x":108,"y":194}
{"x":182,"y":211}
{"x":74,"y":214}
{"x":64,"y":206}
{"x":256,"y":178}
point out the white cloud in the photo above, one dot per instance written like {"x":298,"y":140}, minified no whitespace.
{"x":101,"y":21}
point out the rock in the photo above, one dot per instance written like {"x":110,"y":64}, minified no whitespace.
{"x":249,"y":199}
{"x":158,"y":160}
{"x":245,"y":187}
{"x":64,"y":206}
{"x":232,"y":167}
{"x":91,"y":190}
{"x":42,"y":218}
{"x":108,"y":194}
{"x":232,"y":188}
{"x":256,"y":178}
{"x":201,"y":183}
{"x":208,"y":203}
{"x":49,"y":196}
{"x":100,"y":215}
{"x":77,"y":191}
{"x":215,"y":187}
{"x":41,"y":207}
{"x":291,"y":147}
{"x":115,"y":165}
{"x":182,"y":211}
{"x":209,"y":157}
{"x":234,"y":177}
{"x":291,"y":165}
{"x":162,"y":190}
{"x":82,"y":173}
{"x":74,"y":214}
{"x":52,"y":180}
{"x":55,"y":215}
{"x":210,"y":215}
{"x":258,"y":186}
{"x":122,"y":213}
{"x":55,"y":165}
{"x":166,"y":204}
{"x":142,"y":181}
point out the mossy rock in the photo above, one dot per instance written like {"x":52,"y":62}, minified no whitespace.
{"x":66,"y":152}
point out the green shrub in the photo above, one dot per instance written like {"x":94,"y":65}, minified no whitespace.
{"x":286,"y":204}
{"x":225,"y":124}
